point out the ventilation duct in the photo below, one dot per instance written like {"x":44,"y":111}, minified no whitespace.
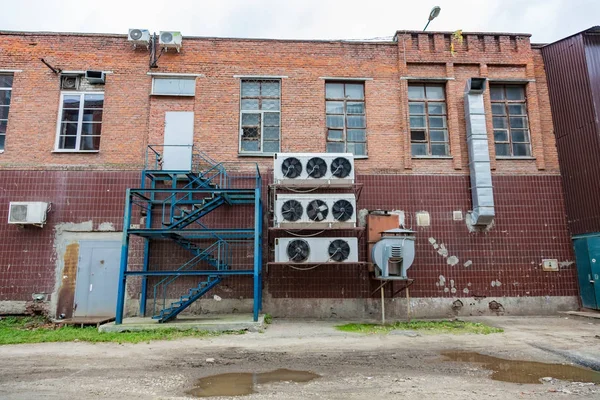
{"x":479,"y":155}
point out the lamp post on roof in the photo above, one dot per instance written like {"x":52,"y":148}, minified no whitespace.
{"x":435,"y":11}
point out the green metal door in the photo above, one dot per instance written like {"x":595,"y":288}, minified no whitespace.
{"x":587,"y":253}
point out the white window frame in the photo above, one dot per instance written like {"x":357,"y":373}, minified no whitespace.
{"x":174,"y":77}
{"x":79,"y":122}
{"x":6,"y":89}
{"x":262,"y":121}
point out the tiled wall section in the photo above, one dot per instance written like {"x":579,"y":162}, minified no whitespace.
{"x":27,"y":255}
{"x":530,"y":225}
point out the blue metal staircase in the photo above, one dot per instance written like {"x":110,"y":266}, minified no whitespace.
{"x":173,"y":206}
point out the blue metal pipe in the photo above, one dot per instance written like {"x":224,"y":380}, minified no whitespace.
{"x":124,"y":255}
{"x":257,"y":244}
{"x":144,"y":289}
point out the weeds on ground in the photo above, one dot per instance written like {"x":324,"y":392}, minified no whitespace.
{"x":17,"y":330}
{"x":268,"y":319}
{"x":433,"y":327}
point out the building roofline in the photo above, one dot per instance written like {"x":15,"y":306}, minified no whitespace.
{"x":464,"y":33}
{"x":592,"y":29}
{"x":124,"y":36}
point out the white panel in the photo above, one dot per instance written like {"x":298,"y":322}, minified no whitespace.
{"x":179,"y":138}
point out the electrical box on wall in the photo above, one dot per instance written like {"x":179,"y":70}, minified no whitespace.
{"x":550,"y":264}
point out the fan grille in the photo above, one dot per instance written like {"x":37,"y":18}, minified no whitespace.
{"x":166,"y":37}
{"x":291,"y":210}
{"x":298,"y":250}
{"x":339,"y":250}
{"x":342,"y":210}
{"x":317,"y":210}
{"x":291,"y":167}
{"x":341,"y":167}
{"x":135,"y":34}
{"x":316,"y":167}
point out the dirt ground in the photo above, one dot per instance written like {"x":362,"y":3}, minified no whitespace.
{"x":352,"y":366}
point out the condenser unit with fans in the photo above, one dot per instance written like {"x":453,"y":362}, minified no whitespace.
{"x":315,"y":211}
{"x":27,"y":213}
{"x":139,"y":36}
{"x":170,"y":40}
{"x":314,"y":169}
{"x":316,"y":250}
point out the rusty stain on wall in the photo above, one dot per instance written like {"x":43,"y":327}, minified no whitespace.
{"x":66,"y":292}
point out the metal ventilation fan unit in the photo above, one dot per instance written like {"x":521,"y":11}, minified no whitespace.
{"x":315,"y":211}
{"x":139,"y":36}
{"x":393,"y":254}
{"x":170,"y":40}
{"x":314,"y":169}
{"x":316,"y":250}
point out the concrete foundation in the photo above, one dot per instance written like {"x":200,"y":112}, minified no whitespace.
{"x":214,"y":323}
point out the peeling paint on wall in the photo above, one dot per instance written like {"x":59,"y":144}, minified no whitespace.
{"x":468,"y":263}
{"x":106,"y":227}
{"x":452,"y":261}
{"x":496,"y":283}
{"x":66,"y":292}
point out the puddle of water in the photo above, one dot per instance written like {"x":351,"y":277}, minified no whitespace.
{"x":517,"y":371}
{"x":240,"y":384}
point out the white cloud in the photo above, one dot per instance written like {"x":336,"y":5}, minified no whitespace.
{"x":547,"y":20}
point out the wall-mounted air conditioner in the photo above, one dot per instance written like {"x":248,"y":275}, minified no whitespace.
{"x":27,"y":213}
{"x":314,"y":169}
{"x":139,"y":36}
{"x":170,"y":40}
{"x":315,"y":211}
{"x":316,"y":249}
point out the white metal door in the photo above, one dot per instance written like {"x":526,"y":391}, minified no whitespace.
{"x":179,"y":138}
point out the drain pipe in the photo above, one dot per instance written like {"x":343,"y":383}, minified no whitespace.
{"x":482,"y":191}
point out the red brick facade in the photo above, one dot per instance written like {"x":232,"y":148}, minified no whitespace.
{"x":530,"y":223}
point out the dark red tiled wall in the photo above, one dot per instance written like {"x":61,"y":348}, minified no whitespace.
{"x":530,"y":225}
{"x":27,"y":255}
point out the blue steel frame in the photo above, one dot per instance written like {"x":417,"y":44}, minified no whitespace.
{"x":147,"y":196}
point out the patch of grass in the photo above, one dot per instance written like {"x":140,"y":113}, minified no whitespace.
{"x":268,"y":319}
{"x":18,"y":330}
{"x":433,"y":327}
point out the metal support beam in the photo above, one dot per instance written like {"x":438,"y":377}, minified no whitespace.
{"x":146,"y":261}
{"x":257,"y":251}
{"x":124,"y":255}
{"x":191,"y":272}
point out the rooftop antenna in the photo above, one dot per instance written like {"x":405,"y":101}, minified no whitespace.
{"x":435,"y":11}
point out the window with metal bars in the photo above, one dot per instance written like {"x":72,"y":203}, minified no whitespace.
{"x":6,"y":82}
{"x":428,"y":129}
{"x":260,"y":116}
{"x":511,"y":125}
{"x":346,"y":118}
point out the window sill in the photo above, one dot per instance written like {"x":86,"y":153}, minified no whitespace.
{"x":270,"y":155}
{"x":77,"y":151}
{"x":433,"y":157}
{"x":514,"y":158}
{"x":361,"y":157}
{"x":172,"y":95}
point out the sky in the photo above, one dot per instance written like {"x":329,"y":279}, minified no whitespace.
{"x":546,"y":20}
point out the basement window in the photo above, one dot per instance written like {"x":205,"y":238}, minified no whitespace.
{"x":346,"y":118}
{"x":260,"y":116}
{"x":511,"y":125}
{"x":79,"y":122}
{"x":174,"y":86}
{"x":428,"y":128}
{"x":6,"y":82}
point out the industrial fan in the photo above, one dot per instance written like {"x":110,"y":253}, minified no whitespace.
{"x":298,"y":250}
{"x":291,"y":210}
{"x":316,"y":167}
{"x":341,"y":167}
{"x":291,"y":167}
{"x":342,"y":210}
{"x":339,"y":250}
{"x":317,"y":210}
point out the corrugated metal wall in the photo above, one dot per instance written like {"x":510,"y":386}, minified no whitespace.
{"x":576,"y":127}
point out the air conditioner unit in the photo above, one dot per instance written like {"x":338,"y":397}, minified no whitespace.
{"x":316,"y":249}
{"x":27,"y":213}
{"x":170,"y":40}
{"x":139,"y":36}
{"x":69,"y":82}
{"x":95,"y":77}
{"x":314,"y":169}
{"x":315,"y":211}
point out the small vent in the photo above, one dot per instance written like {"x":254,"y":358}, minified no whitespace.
{"x":18,"y":213}
{"x":396,"y":252}
{"x":69,"y":82}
